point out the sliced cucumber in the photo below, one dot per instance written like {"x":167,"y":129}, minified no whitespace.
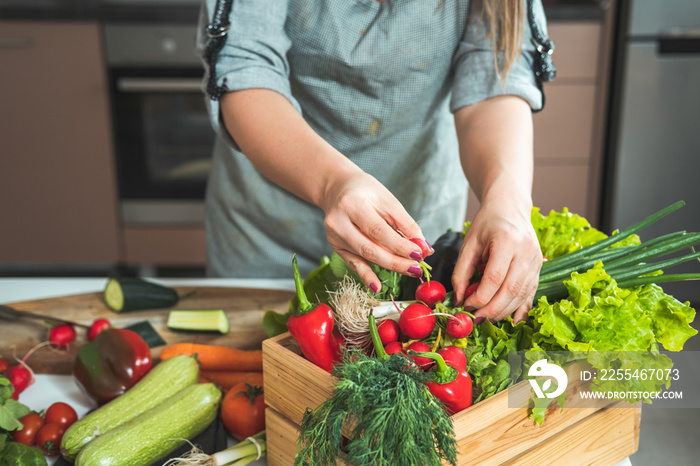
{"x":211,"y":320}
{"x":132,"y":294}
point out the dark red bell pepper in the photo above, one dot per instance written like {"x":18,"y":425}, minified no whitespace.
{"x":450,"y":385}
{"x":312,"y":327}
{"x":111,"y":364}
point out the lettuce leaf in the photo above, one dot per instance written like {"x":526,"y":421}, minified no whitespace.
{"x":563,"y":232}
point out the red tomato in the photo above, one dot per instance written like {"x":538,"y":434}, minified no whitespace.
{"x":48,"y":439}
{"x":32,"y":423}
{"x":243,"y":410}
{"x":62,"y":414}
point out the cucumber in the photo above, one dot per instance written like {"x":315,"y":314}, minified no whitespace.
{"x":133,"y":294}
{"x":163,"y":381}
{"x":153,"y":434}
{"x":204,"y":320}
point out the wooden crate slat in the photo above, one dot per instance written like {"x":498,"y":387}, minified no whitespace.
{"x":606,"y":437}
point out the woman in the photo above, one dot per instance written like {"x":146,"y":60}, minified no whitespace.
{"x":350,"y":125}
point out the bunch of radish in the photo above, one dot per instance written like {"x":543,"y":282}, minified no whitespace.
{"x":60,"y":337}
{"x":424,"y":321}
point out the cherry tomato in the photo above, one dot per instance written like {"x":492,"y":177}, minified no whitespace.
{"x":62,"y":414}
{"x":48,"y":439}
{"x":243,"y":410}
{"x":32,"y":423}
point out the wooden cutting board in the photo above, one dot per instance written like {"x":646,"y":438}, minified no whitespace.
{"x":245,"y":309}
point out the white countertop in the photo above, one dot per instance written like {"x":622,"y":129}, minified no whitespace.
{"x":22,"y":289}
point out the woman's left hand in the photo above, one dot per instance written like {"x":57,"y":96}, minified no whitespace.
{"x":501,"y":237}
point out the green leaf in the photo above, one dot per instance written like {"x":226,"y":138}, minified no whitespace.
{"x":12,"y":409}
{"x":275,"y":323}
{"x":670,"y":318}
{"x":19,"y":454}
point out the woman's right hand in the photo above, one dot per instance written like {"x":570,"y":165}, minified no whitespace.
{"x":366,"y":223}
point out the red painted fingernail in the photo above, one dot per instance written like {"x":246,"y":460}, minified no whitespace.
{"x":374,"y":287}
{"x":479,"y":320}
{"x":415,"y":255}
{"x":415,"y":270}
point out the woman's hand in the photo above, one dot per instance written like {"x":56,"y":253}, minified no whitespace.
{"x":363,"y":219}
{"x":501,"y":238}
{"x":366,"y":223}
{"x":495,"y":138}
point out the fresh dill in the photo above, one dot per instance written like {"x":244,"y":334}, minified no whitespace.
{"x":391,"y":417}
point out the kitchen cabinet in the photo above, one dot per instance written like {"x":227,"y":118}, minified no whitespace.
{"x":57,"y":187}
{"x":567,"y":132}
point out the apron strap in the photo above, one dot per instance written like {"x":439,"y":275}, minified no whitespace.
{"x":216,"y":31}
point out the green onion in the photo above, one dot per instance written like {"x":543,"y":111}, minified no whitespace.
{"x":628,"y":265}
{"x":573,"y":257}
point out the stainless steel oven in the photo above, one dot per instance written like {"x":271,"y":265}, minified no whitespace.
{"x":162,"y":134}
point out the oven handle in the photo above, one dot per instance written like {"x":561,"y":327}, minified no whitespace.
{"x":159,"y":84}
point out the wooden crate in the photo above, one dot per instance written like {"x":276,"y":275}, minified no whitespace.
{"x":489,"y":432}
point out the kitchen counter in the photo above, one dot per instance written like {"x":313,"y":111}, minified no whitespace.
{"x":50,"y":388}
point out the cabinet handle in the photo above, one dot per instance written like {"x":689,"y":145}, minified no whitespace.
{"x":679,"y":42}
{"x":159,"y":85}
{"x":16,"y":43}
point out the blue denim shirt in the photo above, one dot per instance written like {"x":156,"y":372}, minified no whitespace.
{"x":379,"y":82}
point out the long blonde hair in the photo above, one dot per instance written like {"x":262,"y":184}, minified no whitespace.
{"x":506,"y":22}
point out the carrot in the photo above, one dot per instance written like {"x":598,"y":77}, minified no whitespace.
{"x":226,"y":379}
{"x":217,"y":358}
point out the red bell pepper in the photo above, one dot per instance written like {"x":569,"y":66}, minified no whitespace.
{"x":312,"y":327}
{"x":111,"y":364}
{"x":450,"y":385}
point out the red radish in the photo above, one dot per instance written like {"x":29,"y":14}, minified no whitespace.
{"x":20,"y":377}
{"x":421,"y":347}
{"x":417,"y":321}
{"x":454,"y":356}
{"x":425,"y":248}
{"x":459,"y":326}
{"x":96,"y":327}
{"x":471,"y":289}
{"x":62,"y":335}
{"x":430,"y":293}
{"x":3,"y":365}
{"x":388,"y":331}
{"x":394,"y":347}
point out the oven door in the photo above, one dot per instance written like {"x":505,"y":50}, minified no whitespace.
{"x":163,"y":141}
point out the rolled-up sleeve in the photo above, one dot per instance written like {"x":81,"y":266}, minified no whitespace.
{"x":476,"y":77}
{"x":255,"y":52}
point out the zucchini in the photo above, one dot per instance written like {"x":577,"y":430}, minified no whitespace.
{"x":133,"y":294}
{"x":163,"y":381}
{"x":158,"y":431}
{"x":204,"y":320}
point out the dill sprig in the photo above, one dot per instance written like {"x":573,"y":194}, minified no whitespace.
{"x":392,"y":418}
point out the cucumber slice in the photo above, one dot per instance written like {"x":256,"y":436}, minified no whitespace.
{"x":212,"y":320}
{"x":132,"y":294}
